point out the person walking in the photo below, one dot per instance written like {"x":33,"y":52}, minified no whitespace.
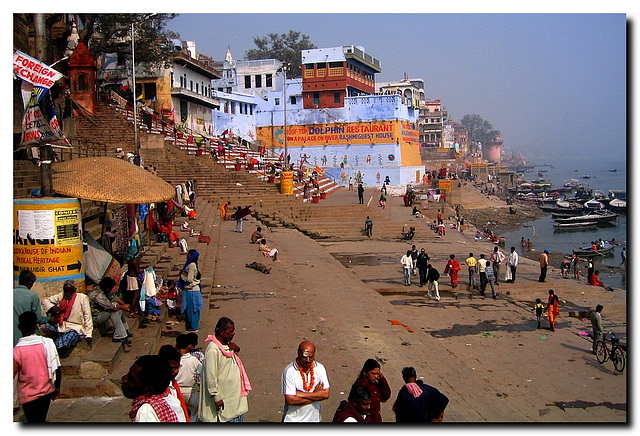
{"x":407,"y":264}
{"x":575,"y":263}
{"x":452,"y":268}
{"x":497,"y":257}
{"x":423,"y":262}
{"x":472,"y":263}
{"x":368,"y":226}
{"x":623,"y":258}
{"x":414,"y":260}
{"x":544,"y":264}
{"x":590,"y":269}
{"x":490,"y":280}
{"x":432,"y":279}
{"x":224,"y":381}
{"x":482,"y":271}
{"x":304,"y":385}
{"x":512,"y":263}
{"x":191,"y":303}
{"x":238,"y":220}
{"x":371,"y":377}
{"x":360,"y":193}
{"x":553,"y":308}
{"x":596,"y":322}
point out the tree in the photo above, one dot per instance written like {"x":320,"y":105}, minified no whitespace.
{"x":111,"y":33}
{"x":479,"y":130}
{"x":286,"y":47}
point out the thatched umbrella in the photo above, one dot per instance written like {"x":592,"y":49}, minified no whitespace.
{"x":109,"y":179}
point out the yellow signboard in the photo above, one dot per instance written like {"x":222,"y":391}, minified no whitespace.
{"x":47,"y":238}
{"x":286,"y":182}
{"x":445,"y":185}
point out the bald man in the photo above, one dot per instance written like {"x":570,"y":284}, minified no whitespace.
{"x":304,"y":385}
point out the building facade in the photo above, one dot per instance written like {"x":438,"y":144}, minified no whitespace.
{"x":337,"y":123}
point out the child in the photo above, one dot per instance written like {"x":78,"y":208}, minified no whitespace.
{"x":539,"y":307}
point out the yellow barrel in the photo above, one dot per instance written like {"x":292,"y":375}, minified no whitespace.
{"x":286,"y":182}
{"x":47,"y":239}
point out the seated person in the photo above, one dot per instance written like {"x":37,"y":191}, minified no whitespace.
{"x":70,"y":317}
{"x":595,"y":281}
{"x":268,"y":252}
{"x":105,"y":306}
{"x":256,"y":236}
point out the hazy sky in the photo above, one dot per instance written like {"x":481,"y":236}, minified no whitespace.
{"x":546,"y":81}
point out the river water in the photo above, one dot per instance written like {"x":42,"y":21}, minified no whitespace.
{"x":542,"y":233}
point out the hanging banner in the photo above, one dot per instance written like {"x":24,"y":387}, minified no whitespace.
{"x":33,"y":71}
{"x":37,"y":129}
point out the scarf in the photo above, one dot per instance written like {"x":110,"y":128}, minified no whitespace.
{"x":53,"y":361}
{"x":65,"y":307}
{"x":413,"y":389}
{"x":245,"y":386}
{"x":160,"y":406}
{"x":181,"y":399}
{"x":189,"y":260}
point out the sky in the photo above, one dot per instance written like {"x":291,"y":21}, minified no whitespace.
{"x":547,"y":81}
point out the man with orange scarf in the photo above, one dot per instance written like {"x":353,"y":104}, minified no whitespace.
{"x":452,"y":268}
{"x":304,"y":385}
{"x":224,"y":384}
{"x":553,"y":308}
{"x":70,"y":317}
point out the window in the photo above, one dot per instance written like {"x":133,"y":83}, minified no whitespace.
{"x":258,"y":81}
{"x":316,"y":99}
{"x":82,"y":82}
{"x":277,"y":101}
{"x":336,"y":97}
{"x":247,"y":82}
{"x":268,"y":80}
{"x":335,"y":64}
{"x":293,"y":99}
{"x":149,"y":90}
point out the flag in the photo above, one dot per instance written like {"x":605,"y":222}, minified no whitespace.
{"x":281,"y":156}
{"x":224,"y":133}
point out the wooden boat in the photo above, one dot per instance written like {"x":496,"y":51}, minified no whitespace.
{"x":589,"y":225}
{"x":589,"y":251}
{"x":618,"y":205}
{"x":598,"y":217}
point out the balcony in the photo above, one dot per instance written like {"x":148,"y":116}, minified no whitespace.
{"x":194,"y":97}
{"x":185,"y":60}
{"x":352,"y":52}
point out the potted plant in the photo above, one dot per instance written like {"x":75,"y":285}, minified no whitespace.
{"x":272,"y":174}
{"x":238,"y":165}
{"x":316,"y":196}
{"x":323,"y":195}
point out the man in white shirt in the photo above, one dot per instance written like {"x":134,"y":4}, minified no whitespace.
{"x":304,"y":385}
{"x":407,"y":264}
{"x":188,"y":377}
{"x":512,"y":262}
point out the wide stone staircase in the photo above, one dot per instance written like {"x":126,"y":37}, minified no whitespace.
{"x":95,"y":370}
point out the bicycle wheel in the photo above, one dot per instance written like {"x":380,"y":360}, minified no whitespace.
{"x":618,"y":358}
{"x":601,"y":352}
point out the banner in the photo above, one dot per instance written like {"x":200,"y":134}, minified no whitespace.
{"x":37,"y":129}
{"x":33,"y":71}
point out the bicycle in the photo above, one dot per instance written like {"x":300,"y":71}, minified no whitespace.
{"x":615,"y":353}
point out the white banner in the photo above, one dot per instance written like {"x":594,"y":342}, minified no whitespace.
{"x":32,"y":70}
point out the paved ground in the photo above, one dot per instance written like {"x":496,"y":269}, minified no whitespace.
{"x":486,"y":355}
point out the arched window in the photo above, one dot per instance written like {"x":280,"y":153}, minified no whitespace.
{"x":82,"y":82}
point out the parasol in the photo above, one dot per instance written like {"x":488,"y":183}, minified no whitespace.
{"x":109,"y":179}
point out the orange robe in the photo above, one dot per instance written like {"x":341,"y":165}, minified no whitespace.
{"x":554,"y":310}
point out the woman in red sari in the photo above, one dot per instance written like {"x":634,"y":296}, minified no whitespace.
{"x":372,"y":378}
{"x":553,"y":308}
{"x":452,"y":268}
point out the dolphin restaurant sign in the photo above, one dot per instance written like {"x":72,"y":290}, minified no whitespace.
{"x":379,"y":132}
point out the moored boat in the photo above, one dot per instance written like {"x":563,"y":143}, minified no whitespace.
{"x":598,"y":217}
{"x":618,"y":205}
{"x":589,"y":225}
{"x":589,"y":251}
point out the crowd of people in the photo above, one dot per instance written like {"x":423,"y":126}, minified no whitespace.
{"x":183,"y":384}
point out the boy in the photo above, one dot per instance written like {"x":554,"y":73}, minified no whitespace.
{"x":539,"y":307}
{"x":37,"y":365}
